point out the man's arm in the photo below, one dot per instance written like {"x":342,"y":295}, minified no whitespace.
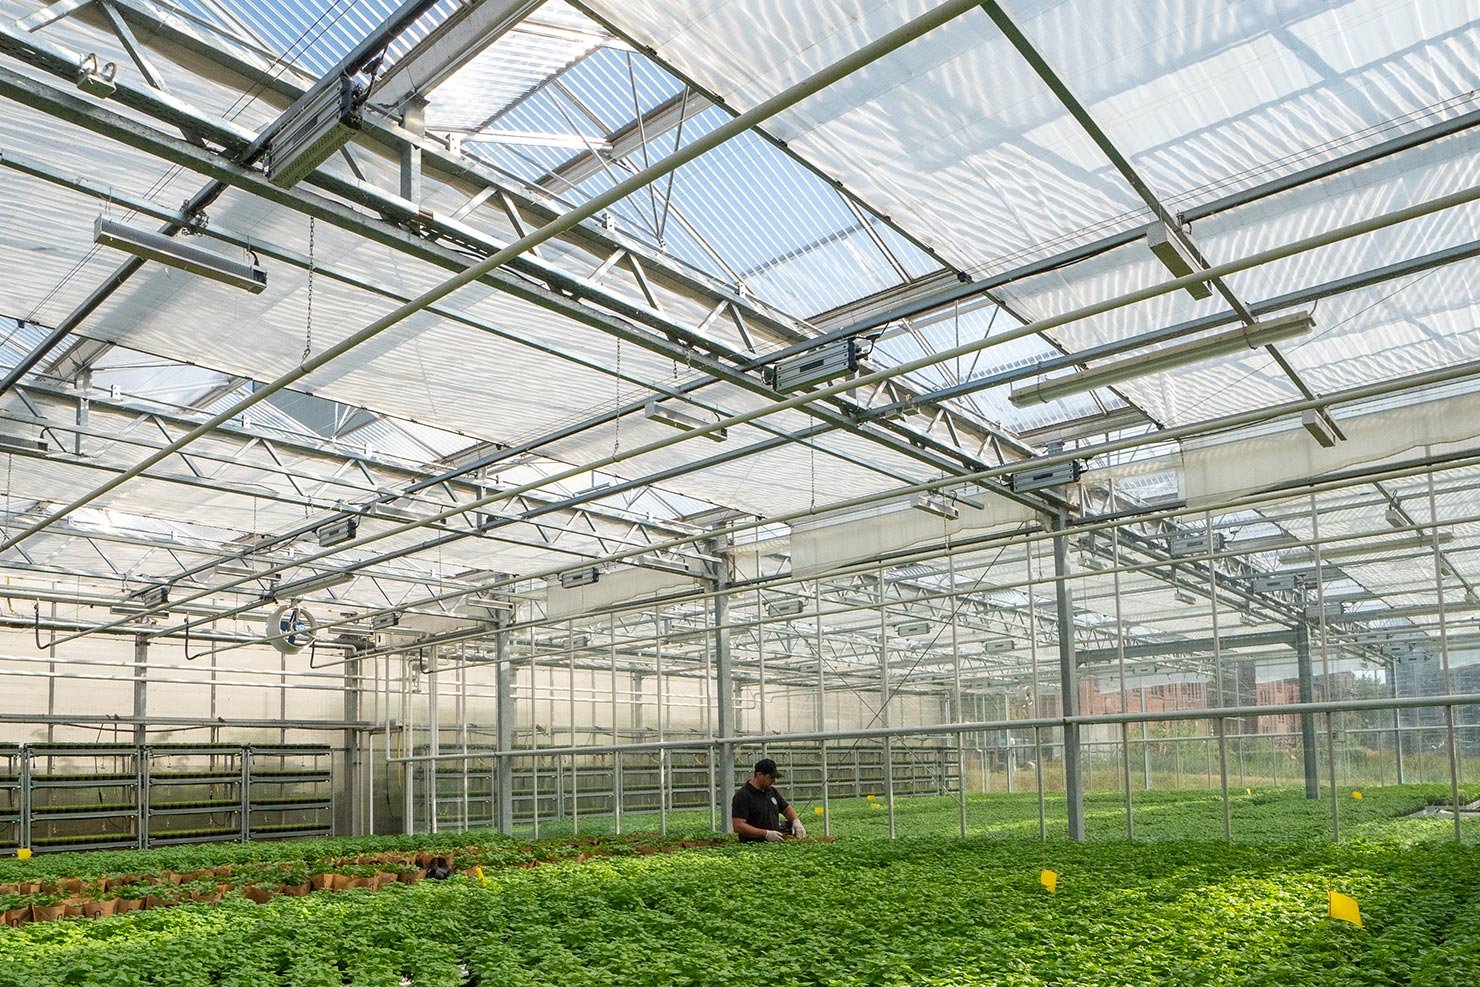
{"x":743,"y":828}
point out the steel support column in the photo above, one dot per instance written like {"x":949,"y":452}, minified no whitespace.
{"x":1068,"y":678}
{"x":724,"y":692}
{"x":434,"y":738}
{"x":504,"y":726}
{"x":1307,"y":720}
{"x":141,"y":688}
{"x":353,"y":762}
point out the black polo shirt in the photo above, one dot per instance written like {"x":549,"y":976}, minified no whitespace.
{"x":762,"y":809}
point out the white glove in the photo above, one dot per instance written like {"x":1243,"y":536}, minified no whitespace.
{"x":774,"y":836}
{"x":798,"y":830}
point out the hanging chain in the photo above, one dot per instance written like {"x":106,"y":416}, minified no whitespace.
{"x":617,"y":433}
{"x":812,"y":451}
{"x":308,"y":325}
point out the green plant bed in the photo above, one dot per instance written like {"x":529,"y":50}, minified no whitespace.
{"x":860,"y":912}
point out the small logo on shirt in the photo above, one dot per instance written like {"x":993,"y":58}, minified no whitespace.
{"x":773,"y":800}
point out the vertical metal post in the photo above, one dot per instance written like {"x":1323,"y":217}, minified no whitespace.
{"x":1068,"y":679}
{"x":665,"y":760}
{"x":957,"y":712}
{"x":884,"y":700}
{"x":611,"y":630}
{"x":1320,"y":622}
{"x":1392,"y":677}
{"x":822,"y":709}
{"x":713,"y":794}
{"x":141,"y":688}
{"x":570,"y":715}
{"x":1439,"y":566}
{"x":25,"y":799}
{"x":1220,"y":725}
{"x":434,"y":738}
{"x":1307,"y":720}
{"x":353,"y":762}
{"x":1145,"y":745}
{"x":534,"y":735}
{"x":724,"y":691}
{"x":504,"y":715}
{"x":1125,"y":729}
{"x":1033,"y":688}
{"x":244,"y":790}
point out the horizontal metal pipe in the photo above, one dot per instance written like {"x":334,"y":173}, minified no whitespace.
{"x":934,"y":729}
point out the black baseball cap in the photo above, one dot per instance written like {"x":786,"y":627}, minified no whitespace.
{"x":766,"y":766}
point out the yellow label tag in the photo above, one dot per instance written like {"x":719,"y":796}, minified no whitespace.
{"x":1343,"y":908}
{"x":817,"y":810}
{"x":1248,"y":791}
{"x":1357,"y":796}
{"x":478,"y":871}
{"x":870,"y":798}
{"x":1049,"y":879}
{"x":24,"y":853}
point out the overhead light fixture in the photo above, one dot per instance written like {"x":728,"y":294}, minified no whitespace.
{"x":785,"y":608}
{"x":998,"y":645}
{"x":1395,"y":517}
{"x":1315,"y":613}
{"x":665,"y":412}
{"x":149,"y":597}
{"x":385,"y":621}
{"x":935,"y":504}
{"x":1058,"y":475}
{"x":1319,"y":427}
{"x":1276,"y":582}
{"x":1185,"y":596}
{"x":337,"y":532}
{"x":579,"y":577}
{"x":828,"y":362}
{"x":1176,"y":258}
{"x":23,"y":446}
{"x":322,"y":126}
{"x":573,"y":643}
{"x":302,"y":587}
{"x":175,"y":253}
{"x":913,"y":628}
{"x":498,"y":608}
{"x":1166,"y":358}
{"x":1195,"y":541}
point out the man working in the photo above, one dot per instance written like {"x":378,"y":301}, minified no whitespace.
{"x":756,"y":809}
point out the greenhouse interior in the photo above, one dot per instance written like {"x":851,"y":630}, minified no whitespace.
{"x":804,"y":492}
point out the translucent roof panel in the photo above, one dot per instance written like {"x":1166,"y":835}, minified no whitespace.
{"x":544,"y":44}
{"x":313,"y":35}
{"x":952,"y":136}
{"x":1221,"y":94}
{"x":746,"y":213}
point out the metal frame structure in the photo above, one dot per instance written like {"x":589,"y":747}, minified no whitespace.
{"x":218,"y":498}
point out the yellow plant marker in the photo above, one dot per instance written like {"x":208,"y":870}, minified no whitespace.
{"x":24,"y":853}
{"x":1049,"y":879}
{"x":1357,"y":796}
{"x":478,"y":871}
{"x":1343,"y":908}
{"x":870,"y":798}
{"x":817,"y":810}
{"x":1248,"y":791}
